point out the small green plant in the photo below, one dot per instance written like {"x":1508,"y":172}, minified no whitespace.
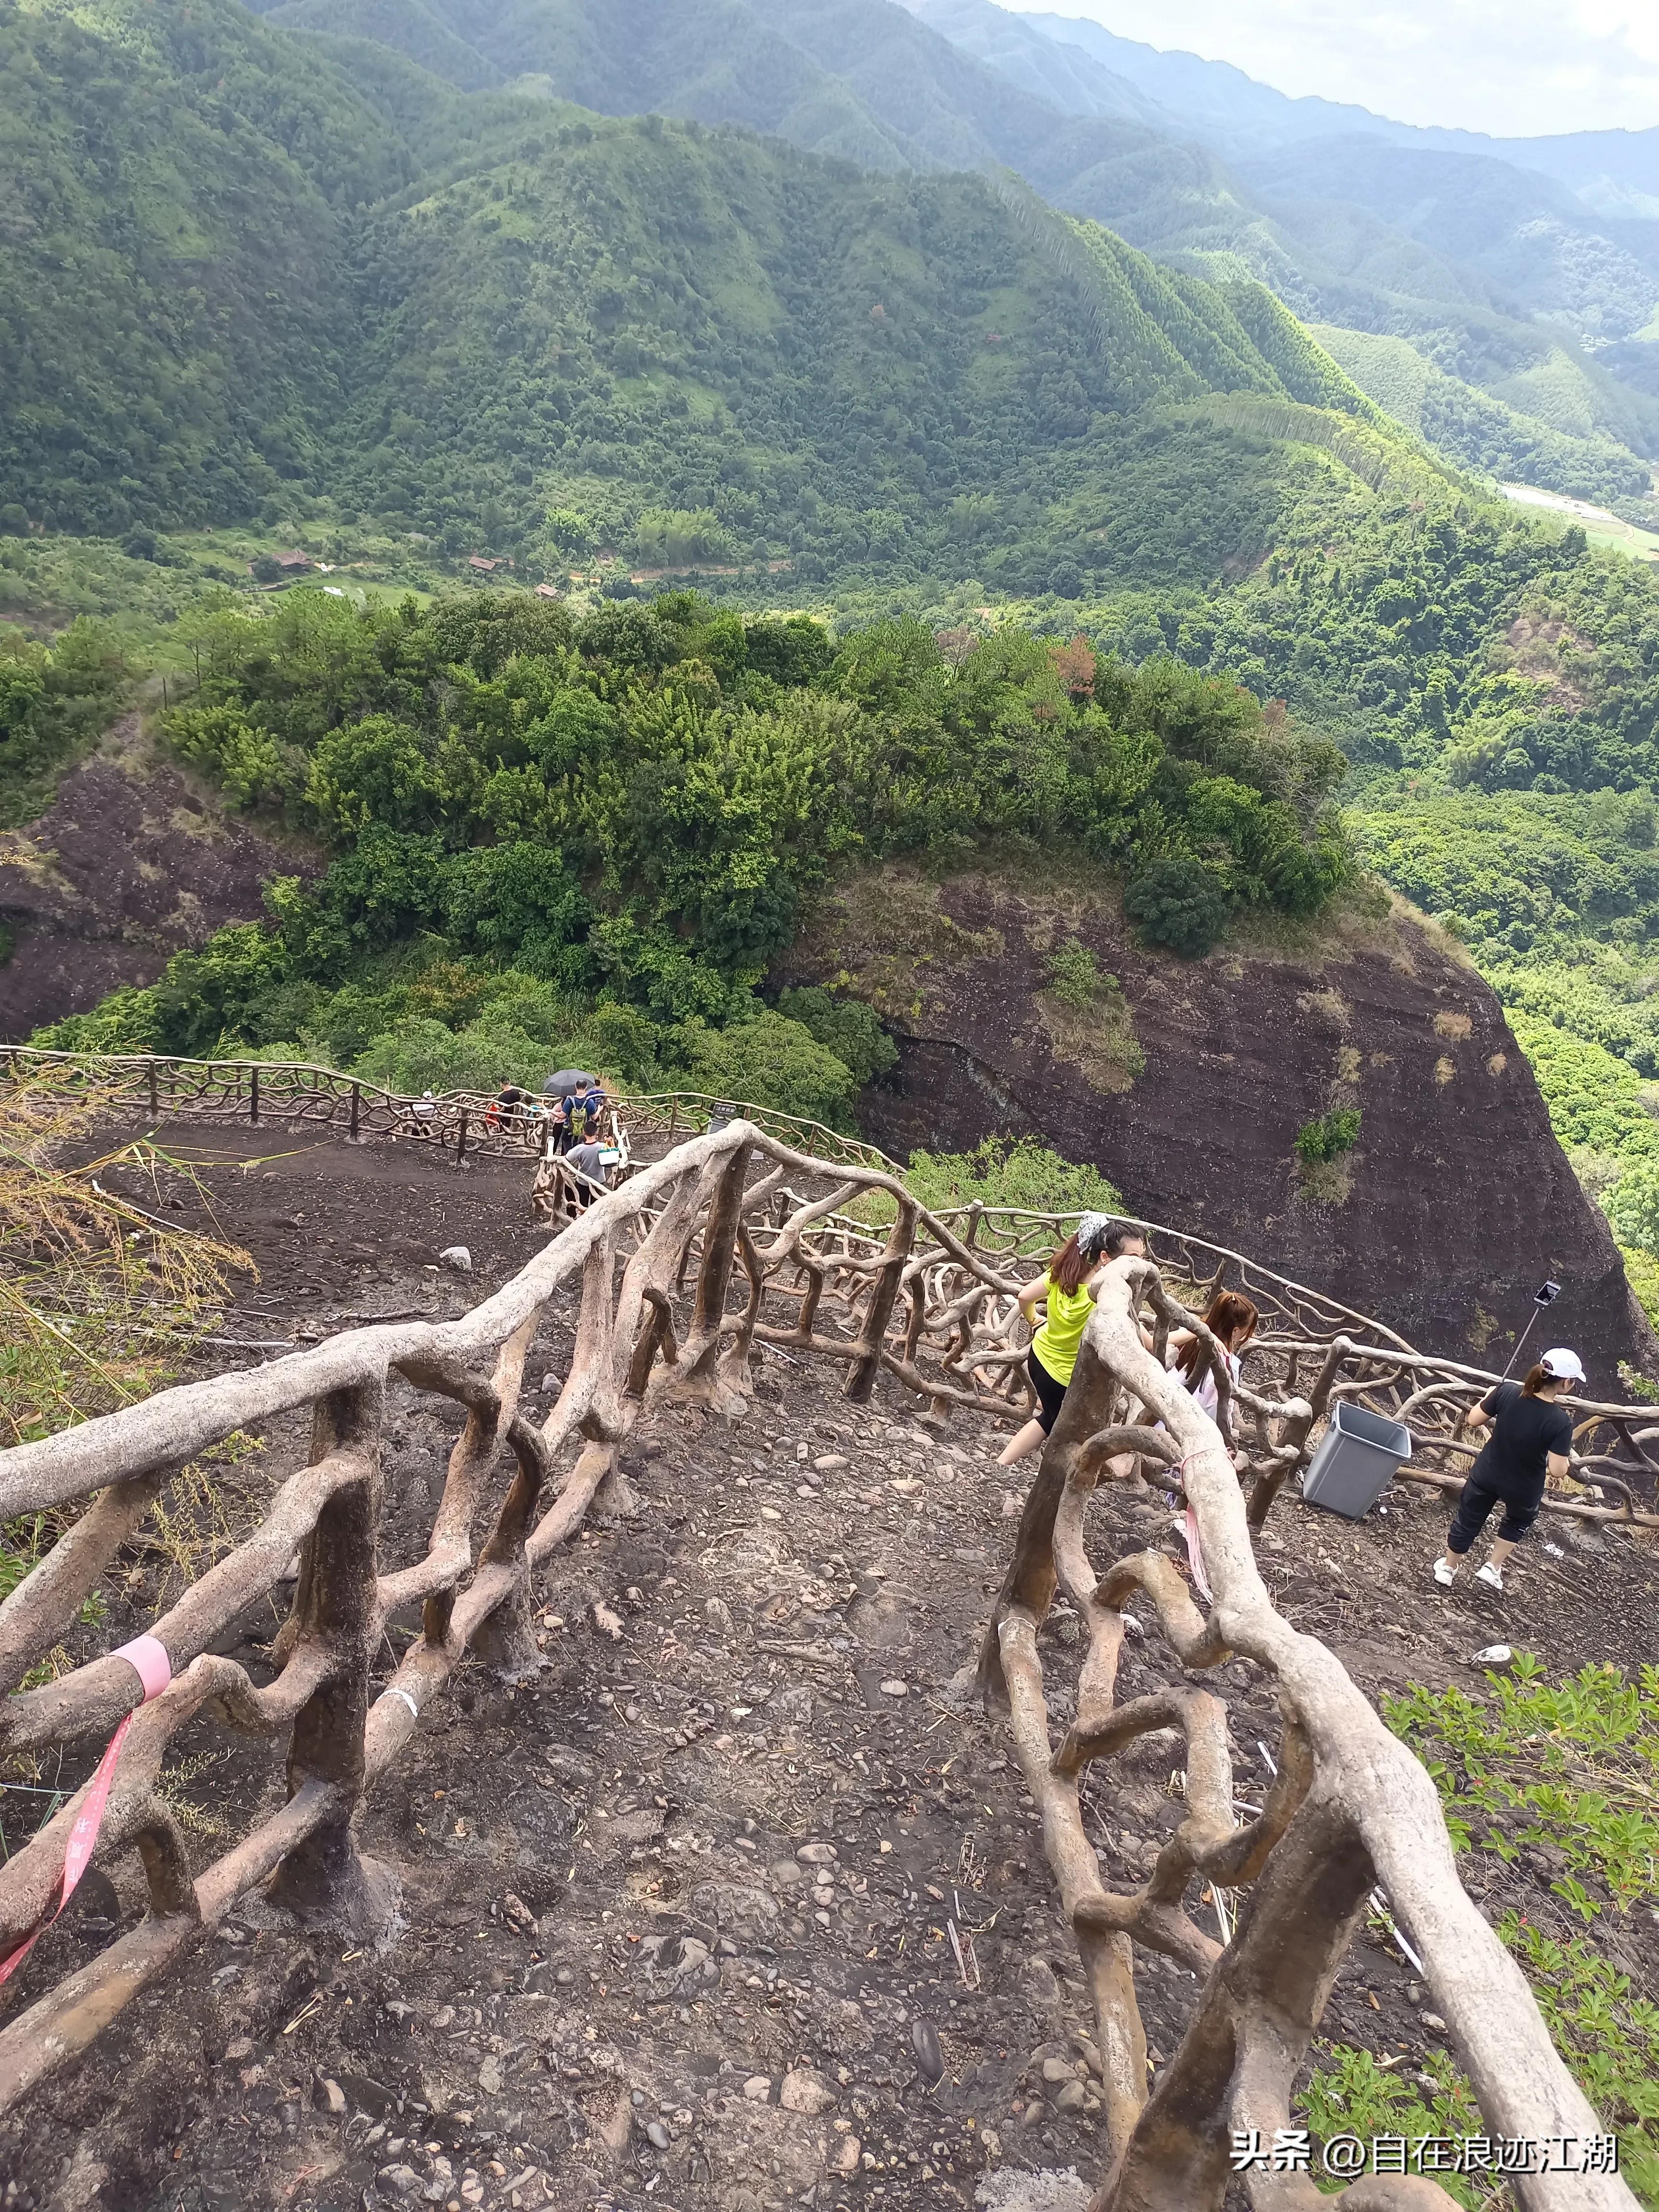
{"x":1573,"y":1770}
{"x":1357,"y":2093}
{"x":1021,"y":1173}
{"x":1609,"y":2037}
{"x":1179,"y":902}
{"x":23,"y":1543}
{"x":1321,"y":1141}
{"x":1075,"y":975}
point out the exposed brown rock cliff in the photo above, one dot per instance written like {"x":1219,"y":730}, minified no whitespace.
{"x":1186,"y":1083}
{"x":129,"y":863}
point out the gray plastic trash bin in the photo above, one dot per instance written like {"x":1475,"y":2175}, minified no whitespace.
{"x":1356,"y":1461}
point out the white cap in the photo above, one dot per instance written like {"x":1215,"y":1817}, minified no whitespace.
{"x":1563,"y":1364}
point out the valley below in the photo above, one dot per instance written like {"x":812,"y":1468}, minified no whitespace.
{"x":971,"y":586}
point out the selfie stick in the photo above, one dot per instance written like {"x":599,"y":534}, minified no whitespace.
{"x":1545,"y":1295}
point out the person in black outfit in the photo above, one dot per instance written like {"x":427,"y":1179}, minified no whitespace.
{"x":1530,"y":1444}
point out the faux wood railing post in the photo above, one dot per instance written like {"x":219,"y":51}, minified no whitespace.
{"x":253,"y":1094}
{"x":719,"y":1238}
{"x":1295,"y":1431}
{"x":356,"y":1106}
{"x":883,"y":1296}
{"x":461,"y":1140}
{"x":337,"y":1607}
{"x":155,"y":1106}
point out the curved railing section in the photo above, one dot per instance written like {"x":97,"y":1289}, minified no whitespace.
{"x":1308,"y":1340}
{"x":730,"y":1242}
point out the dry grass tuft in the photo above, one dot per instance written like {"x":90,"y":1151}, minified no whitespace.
{"x":98,"y":1297}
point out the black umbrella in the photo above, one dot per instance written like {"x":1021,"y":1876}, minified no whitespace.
{"x":563,"y":1080}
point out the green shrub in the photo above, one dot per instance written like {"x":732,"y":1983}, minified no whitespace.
{"x":766,"y":1060}
{"x":1075,"y":975}
{"x":421,"y":1054}
{"x":1631,"y":1205}
{"x":620,"y":1041}
{"x":378,"y":770}
{"x":1179,"y":904}
{"x":128,"y":1020}
{"x":845,"y":1027}
{"x":676,"y":538}
{"x":1594,"y":1098}
{"x":1329,"y":1136}
{"x":1011,"y":1171}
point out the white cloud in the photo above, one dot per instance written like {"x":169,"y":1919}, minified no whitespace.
{"x":1516,"y":68}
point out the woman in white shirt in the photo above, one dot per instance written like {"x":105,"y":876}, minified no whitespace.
{"x":1232,"y":1319}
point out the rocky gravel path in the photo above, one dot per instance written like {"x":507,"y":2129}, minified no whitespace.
{"x":731,"y":1908}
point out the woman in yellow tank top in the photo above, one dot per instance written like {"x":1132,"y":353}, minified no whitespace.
{"x":1067,"y":1293}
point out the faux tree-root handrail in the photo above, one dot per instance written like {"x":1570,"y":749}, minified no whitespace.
{"x":1359,"y":1807}
{"x":678,"y":1269}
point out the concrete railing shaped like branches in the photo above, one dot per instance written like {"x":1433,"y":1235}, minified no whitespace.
{"x":461,"y":1124}
{"x":674,"y":1269}
{"x":639,"y":1337}
{"x":731,"y":1243}
{"x":1350,"y":1806}
{"x":1306,"y":1334}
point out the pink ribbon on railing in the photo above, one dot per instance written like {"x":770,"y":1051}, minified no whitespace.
{"x":1189,"y":1529}
{"x":148,"y":1657}
{"x":1196,"y":1553}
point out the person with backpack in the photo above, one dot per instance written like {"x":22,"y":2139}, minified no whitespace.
{"x":1066,"y":1292}
{"x":582,"y":1109}
{"x":1530,"y":1446}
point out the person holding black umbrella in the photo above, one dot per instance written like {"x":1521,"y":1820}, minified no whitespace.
{"x":561,"y":1090}
{"x":1530,"y":1446}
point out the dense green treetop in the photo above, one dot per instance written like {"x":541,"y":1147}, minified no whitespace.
{"x":628,"y":811}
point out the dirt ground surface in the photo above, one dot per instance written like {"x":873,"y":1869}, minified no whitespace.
{"x":732,"y":1909}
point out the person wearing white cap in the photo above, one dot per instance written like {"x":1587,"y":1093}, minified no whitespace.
{"x":1530,"y":1445}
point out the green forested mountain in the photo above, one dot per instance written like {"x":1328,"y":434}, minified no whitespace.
{"x":595,"y":834}
{"x":361,"y":278}
{"x":1483,"y":433}
{"x":304,"y":269}
{"x":1453,"y":251}
{"x":172,"y":279}
{"x":1478,"y":252}
{"x":915,"y":375}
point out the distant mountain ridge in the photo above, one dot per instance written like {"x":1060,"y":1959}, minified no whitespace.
{"x":1187,"y":88}
{"x":492,"y":307}
{"x":1497,"y":275}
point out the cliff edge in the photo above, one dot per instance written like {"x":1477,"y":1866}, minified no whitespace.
{"x":1021,"y":1006}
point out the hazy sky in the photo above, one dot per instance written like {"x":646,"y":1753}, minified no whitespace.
{"x":1517,"y":67}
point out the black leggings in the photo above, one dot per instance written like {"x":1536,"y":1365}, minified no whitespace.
{"x":1475,"y":1508}
{"x":1050,"y":1392}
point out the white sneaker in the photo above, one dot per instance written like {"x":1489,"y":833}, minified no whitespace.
{"x":1490,"y":1574}
{"x":1443,"y":1574}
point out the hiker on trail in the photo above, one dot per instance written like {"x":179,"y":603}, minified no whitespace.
{"x":1232,"y":1318}
{"x":588,"y":1160}
{"x":1067,"y":1290}
{"x":560,"y":1091}
{"x":582,"y":1109}
{"x":1530,"y":1445}
{"x":512,"y":1104}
